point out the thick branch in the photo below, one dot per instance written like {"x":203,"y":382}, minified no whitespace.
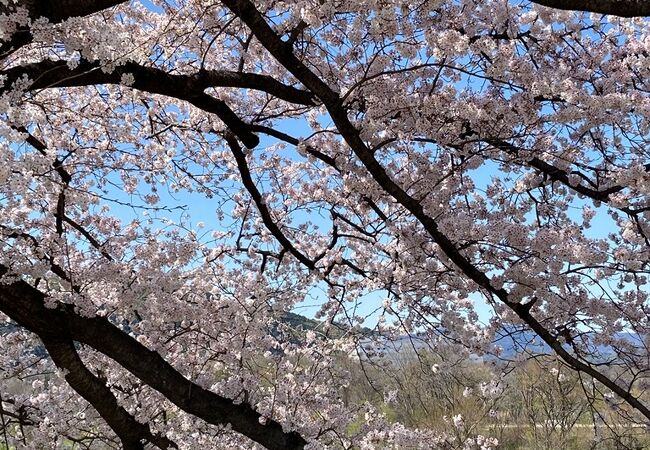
{"x":293,"y":141}
{"x":131,"y":432}
{"x":59,"y":10}
{"x":25,"y":305}
{"x":42,"y":149}
{"x":50,"y":74}
{"x":54,"y":10}
{"x":282,"y":51}
{"x":622,"y":8}
{"x":190,"y":88}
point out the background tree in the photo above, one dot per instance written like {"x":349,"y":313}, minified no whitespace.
{"x":389,"y":159}
{"x":553,"y":403}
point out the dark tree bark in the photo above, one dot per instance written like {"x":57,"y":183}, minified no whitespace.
{"x":622,"y":8}
{"x":59,"y":328}
{"x":132,"y":433}
{"x":25,"y":305}
{"x":60,"y":10}
{"x":54,"y":10}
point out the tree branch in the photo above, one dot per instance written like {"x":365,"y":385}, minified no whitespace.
{"x":247,"y":12}
{"x":131,"y":432}
{"x":59,"y":10}
{"x":54,"y":10}
{"x":52,"y":74}
{"x":26,"y":306}
{"x":621,"y":8}
{"x":263,"y":209}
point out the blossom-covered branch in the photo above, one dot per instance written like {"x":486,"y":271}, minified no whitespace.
{"x":52,"y":74}
{"x":247,"y":12}
{"x":622,"y":8}
{"x":176,"y":183}
{"x":60,"y":326}
{"x":134,"y":435}
{"x":52,"y":10}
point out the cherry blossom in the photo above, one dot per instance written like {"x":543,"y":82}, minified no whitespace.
{"x":177,"y":177}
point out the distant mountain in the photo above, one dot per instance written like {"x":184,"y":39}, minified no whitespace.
{"x":299,"y":324}
{"x":514,"y":340}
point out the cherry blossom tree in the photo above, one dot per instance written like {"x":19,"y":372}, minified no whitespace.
{"x":406,"y":162}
